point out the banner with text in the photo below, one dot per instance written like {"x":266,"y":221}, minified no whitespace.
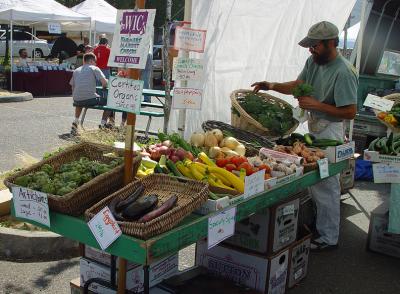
{"x":187,"y":69}
{"x":187,"y":98}
{"x":131,"y":40}
{"x":54,"y":27}
{"x":190,"y":39}
{"x":125,"y":94}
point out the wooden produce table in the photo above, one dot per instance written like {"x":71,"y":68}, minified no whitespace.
{"x":189,"y":231}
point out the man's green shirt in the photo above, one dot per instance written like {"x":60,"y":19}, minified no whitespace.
{"x":334,"y":83}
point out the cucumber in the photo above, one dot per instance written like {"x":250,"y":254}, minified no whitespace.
{"x":326,"y":143}
{"x":158,"y":169}
{"x":308,"y":139}
{"x":171,"y":166}
{"x":389,"y":143}
{"x":371,"y":146}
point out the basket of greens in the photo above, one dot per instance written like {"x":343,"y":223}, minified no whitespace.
{"x":262,"y":113}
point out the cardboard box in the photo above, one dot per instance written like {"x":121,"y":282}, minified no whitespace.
{"x":269,"y":231}
{"x":275,"y":182}
{"x":159,"y":270}
{"x":375,"y":156}
{"x":341,"y":152}
{"x":215,"y":205}
{"x":379,"y":239}
{"x":298,"y":257}
{"x":104,"y":257}
{"x":265,"y":274}
{"x":347,"y":176}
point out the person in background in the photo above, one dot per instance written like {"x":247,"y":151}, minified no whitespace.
{"x":23,"y":57}
{"x":334,"y":99}
{"x":83,"y":84}
{"x":88,"y":49}
{"x":102,"y":52}
{"x":63,"y":48}
{"x":81,"y":50}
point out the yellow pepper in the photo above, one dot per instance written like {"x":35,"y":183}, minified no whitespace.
{"x":391,"y":119}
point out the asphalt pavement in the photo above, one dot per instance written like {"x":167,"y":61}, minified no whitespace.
{"x":34,"y":126}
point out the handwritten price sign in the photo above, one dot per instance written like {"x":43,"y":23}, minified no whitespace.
{"x":221,"y":226}
{"x":125,"y":94}
{"x":187,"y":98}
{"x":187,"y":69}
{"x":386,"y":173}
{"x":254,"y":184}
{"x":104,"y":228}
{"x":32,"y":205}
{"x":190,"y":39}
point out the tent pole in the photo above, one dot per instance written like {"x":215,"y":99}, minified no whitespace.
{"x":90,"y":32}
{"x":11,"y":52}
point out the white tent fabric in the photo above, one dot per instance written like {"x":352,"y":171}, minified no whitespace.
{"x":249,"y":41}
{"x":103,"y":15}
{"x":31,"y":11}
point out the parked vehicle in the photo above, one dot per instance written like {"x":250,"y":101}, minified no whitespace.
{"x":35,"y":46}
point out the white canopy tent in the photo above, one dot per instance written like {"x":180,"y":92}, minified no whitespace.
{"x":33,"y":13}
{"x":249,"y":41}
{"x":102,"y":14}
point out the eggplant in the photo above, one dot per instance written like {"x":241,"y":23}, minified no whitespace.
{"x":135,"y":210}
{"x":166,"y":206}
{"x":113,"y":210}
{"x":130,"y":199}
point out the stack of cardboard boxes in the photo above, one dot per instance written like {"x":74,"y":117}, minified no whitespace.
{"x":269,"y":251}
{"x":96,"y":263}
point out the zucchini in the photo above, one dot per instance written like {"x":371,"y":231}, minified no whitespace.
{"x":326,"y":143}
{"x":308,"y":139}
{"x":372,"y":145}
{"x":158,"y":169}
{"x":171,"y":166}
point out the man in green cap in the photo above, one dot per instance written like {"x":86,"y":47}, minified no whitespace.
{"x":334,"y":100}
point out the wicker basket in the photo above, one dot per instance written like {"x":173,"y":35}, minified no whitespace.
{"x":250,"y":140}
{"x":245,"y":122}
{"x":191,"y":195}
{"x":76,"y":202}
{"x":396,"y":98}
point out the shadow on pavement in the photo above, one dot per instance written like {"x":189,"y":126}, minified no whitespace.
{"x":45,"y":279}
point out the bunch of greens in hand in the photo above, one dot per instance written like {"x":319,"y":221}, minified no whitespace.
{"x":302,"y":90}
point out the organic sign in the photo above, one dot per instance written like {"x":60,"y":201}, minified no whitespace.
{"x":190,"y":39}
{"x":221,"y":226}
{"x":187,"y":98}
{"x":187,"y":69}
{"x":125,"y":94}
{"x":104,"y":228}
{"x":54,"y":27}
{"x":254,"y":184}
{"x":131,"y":39}
{"x":32,"y":205}
{"x":378,"y":103}
{"x":386,"y":173}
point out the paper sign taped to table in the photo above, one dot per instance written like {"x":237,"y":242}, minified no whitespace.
{"x":31,"y":205}
{"x":125,"y":94}
{"x":254,"y":184}
{"x":187,"y":98}
{"x":131,"y":40}
{"x":386,"y":173}
{"x":104,"y":228}
{"x":190,"y":39}
{"x":54,"y":27}
{"x":221,"y":226}
{"x":378,"y":103}
{"x":185,"y":69}
{"x":323,"y":167}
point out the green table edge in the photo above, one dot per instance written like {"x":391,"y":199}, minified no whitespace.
{"x":192,"y":229}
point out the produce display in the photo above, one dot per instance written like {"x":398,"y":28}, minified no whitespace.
{"x":300,"y":149}
{"x":67,"y":178}
{"x":309,"y":140}
{"x":389,"y":146}
{"x":276,"y":168}
{"x":391,"y":117}
{"x":141,"y":210}
{"x":271,"y":115}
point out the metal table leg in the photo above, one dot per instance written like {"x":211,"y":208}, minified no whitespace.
{"x":146,"y":285}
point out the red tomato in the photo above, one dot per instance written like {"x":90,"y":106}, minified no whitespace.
{"x":230,"y":167}
{"x":247,"y":166}
{"x":238,"y":160}
{"x":221,"y":162}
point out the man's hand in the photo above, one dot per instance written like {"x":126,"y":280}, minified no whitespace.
{"x":261,"y":86}
{"x":309,"y":103}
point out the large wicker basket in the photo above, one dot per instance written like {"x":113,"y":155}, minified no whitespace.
{"x":76,"y":202}
{"x":396,"y":98}
{"x":242,"y":120}
{"x":191,"y":195}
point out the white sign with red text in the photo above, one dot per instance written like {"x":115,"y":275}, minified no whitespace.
{"x":190,"y":39}
{"x":187,"y":98}
{"x":104,"y":228}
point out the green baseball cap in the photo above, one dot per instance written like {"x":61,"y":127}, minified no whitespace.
{"x":323,"y":30}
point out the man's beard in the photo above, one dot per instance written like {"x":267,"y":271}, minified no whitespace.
{"x":322,"y":58}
